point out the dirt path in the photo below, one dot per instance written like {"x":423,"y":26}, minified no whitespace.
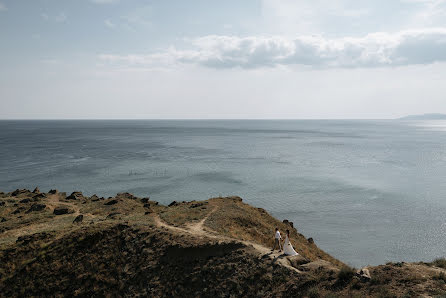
{"x":198,"y":229}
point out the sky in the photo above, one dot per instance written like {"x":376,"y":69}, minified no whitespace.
{"x":209,"y":59}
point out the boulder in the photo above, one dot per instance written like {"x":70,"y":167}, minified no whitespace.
{"x":111,"y":202}
{"x":78,"y":219}
{"x":62,"y":210}
{"x":2,"y":203}
{"x":317,"y":265}
{"x":126,"y":195}
{"x":297,"y":261}
{"x":24,"y":201}
{"x":290,"y":223}
{"x":145,"y":200}
{"x":310,"y":240}
{"x":364,"y":274}
{"x":53,"y":191}
{"x":18,"y":210}
{"x":76,"y":195}
{"x":113,"y":215}
{"x":196,"y":205}
{"x":36,"y":207}
{"x":20,"y":192}
{"x":94,"y":198}
{"x":174,"y":203}
{"x":39,"y":196}
{"x":36,"y":190}
{"x":2,"y":219}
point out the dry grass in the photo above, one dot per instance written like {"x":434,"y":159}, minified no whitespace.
{"x":184,"y":213}
{"x":242,"y":221}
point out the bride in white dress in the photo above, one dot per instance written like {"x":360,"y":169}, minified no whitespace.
{"x":287,"y":247}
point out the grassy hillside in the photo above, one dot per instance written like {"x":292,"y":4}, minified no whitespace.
{"x":52,"y":244}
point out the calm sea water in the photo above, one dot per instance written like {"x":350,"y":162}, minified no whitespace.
{"x":368,"y":192}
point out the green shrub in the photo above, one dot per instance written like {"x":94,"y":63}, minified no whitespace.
{"x":439,"y":263}
{"x":313,"y":293}
{"x":441,"y":277}
{"x":345,"y":275}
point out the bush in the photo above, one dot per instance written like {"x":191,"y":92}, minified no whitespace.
{"x":441,"y":277}
{"x":439,"y":263}
{"x":345,"y":275}
{"x":313,"y":293}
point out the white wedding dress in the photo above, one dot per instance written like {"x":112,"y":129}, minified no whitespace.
{"x":288,"y":248}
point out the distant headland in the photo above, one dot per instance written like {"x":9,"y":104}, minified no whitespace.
{"x":432,"y":116}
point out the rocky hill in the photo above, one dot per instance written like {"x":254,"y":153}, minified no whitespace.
{"x":52,"y":244}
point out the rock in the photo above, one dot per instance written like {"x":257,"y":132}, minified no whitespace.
{"x":148,"y":211}
{"x":36,"y":190}
{"x":39,"y":196}
{"x":19,"y":192}
{"x":145,"y":200}
{"x":36,"y":207}
{"x":53,"y":191}
{"x":111,"y":202}
{"x":310,"y":240}
{"x":126,"y":195}
{"x":196,"y":205}
{"x":78,"y":219}
{"x":24,"y":201}
{"x":18,"y":210}
{"x":147,"y":205}
{"x":297,"y":261}
{"x":62,"y":210}
{"x":76,"y":195}
{"x":94,"y":198}
{"x":113,"y":215}
{"x":364,"y":274}
{"x":174,"y":203}
{"x":2,"y":203}
{"x":318,"y":264}
{"x":2,"y":219}
{"x":261,"y":210}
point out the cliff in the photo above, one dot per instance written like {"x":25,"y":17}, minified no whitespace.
{"x":52,"y":244}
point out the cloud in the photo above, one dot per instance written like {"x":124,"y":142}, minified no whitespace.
{"x":3,"y":7}
{"x":109,"y":24}
{"x":59,"y":18}
{"x":373,"y":50}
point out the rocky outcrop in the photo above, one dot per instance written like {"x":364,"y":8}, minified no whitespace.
{"x":297,"y":261}
{"x":62,"y":211}
{"x":36,"y":207}
{"x":21,"y":193}
{"x":78,"y":219}
{"x":364,"y":274}
{"x":126,"y":195}
{"x":111,"y":202}
{"x":76,"y":195}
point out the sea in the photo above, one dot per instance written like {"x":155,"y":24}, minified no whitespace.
{"x":367,"y":191}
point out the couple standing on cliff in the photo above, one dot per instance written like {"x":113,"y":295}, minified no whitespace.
{"x":287,"y":247}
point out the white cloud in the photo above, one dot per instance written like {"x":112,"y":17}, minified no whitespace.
{"x":373,"y":50}
{"x":59,"y":18}
{"x":109,"y":24}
